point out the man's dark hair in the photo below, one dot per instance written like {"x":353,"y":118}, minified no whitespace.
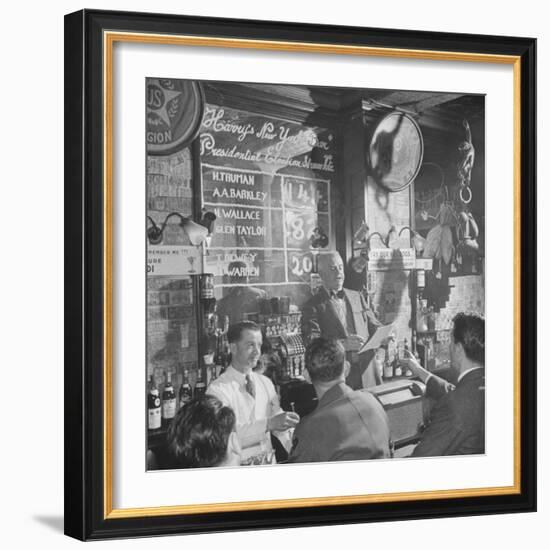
{"x":199,"y":433}
{"x":325,"y":360}
{"x":235,"y":331}
{"x":236,"y":271}
{"x":469,"y":330}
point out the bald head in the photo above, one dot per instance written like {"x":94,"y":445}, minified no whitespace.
{"x":330,"y":267}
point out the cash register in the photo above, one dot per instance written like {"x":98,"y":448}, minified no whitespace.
{"x":406,"y":407}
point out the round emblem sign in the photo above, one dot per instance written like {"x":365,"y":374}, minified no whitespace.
{"x":395,"y":151}
{"x":174,"y":114}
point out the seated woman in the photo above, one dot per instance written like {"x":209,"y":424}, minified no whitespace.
{"x":203,"y":435}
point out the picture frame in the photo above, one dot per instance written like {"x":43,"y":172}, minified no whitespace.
{"x":90,"y":161}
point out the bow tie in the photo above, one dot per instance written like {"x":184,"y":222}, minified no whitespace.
{"x":340,"y":294}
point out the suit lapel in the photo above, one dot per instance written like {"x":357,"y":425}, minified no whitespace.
{"x":330,"y":307}
{"x":354,"y":302}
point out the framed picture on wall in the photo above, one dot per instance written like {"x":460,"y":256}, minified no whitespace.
{"x":286,"y":246}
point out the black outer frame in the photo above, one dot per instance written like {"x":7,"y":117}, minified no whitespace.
{"x":84,"y":493}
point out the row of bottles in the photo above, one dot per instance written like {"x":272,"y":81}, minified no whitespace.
{"x":425,"y":317}
{"x":162,"y":408}
{"x":390,"y":366}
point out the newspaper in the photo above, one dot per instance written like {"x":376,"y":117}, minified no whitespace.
{"x":378,"y":338}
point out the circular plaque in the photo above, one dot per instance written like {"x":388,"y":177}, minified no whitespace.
{"x":174,"y":114}
{"x":395,"y":151}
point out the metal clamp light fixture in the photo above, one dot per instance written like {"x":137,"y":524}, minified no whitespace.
{"x":197,"y":233}
{"x":375,"y":234}
{"x":207,"y":220}
{"x":418,"y":242}
{"x":361,"y":235}
{"x":318,"y":238}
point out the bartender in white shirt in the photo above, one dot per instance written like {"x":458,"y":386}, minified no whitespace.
{"x":251,"y":395}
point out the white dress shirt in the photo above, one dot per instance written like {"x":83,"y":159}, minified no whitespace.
{"x":251,"y":412}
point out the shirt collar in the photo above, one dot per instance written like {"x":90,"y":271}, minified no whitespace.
{"x":335,"y":294}
{"x":237,"y":375}
{"x":466,"y":372}
{"x":337,"y":391}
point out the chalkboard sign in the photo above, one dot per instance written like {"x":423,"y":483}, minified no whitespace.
{"x":268,"y":182}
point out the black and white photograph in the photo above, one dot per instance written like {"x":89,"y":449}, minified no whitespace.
{"x":283,"y":243}
{"x":315,"y":274}
{"x":260,"y":243}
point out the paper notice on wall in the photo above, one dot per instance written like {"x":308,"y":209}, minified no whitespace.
{"x":174,"y":260}
{"x":388,"y":259}
{"x":379,"y":338}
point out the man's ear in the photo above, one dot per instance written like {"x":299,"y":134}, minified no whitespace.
{"x":347,"y":368}
{"x":459,"y":349}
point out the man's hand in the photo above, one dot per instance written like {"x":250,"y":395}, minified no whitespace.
{"x":409,"y":361}
{"x":282,"y":421}
{"x":353,"y":342}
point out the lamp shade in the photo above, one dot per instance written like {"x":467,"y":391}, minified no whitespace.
{"x":197,"y":233}
{"x":419,"y":242}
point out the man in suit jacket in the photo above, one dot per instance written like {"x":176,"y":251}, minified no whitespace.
{"x":338,"y":313}
{"x":457,"y":424}
{"x":347,"y":424}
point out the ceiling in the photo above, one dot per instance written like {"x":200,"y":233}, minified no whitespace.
{"x":437,"y":110}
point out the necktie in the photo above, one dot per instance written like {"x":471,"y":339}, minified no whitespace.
{"x":250,"y":386}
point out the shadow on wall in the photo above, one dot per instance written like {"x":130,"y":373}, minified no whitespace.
{"x":383,"y":147}
{"x":393,"y":287}
{"x":55,"y":523}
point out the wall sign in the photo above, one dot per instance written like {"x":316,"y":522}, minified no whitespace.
{"x":268,"y":182}
{"x":387,"y":259}
{"x":174,"y":114}
{"x":174,"y":260}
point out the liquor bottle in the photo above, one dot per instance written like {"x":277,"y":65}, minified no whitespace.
{"x":408,"y":372}
{"x":421,"y":316}
{"x":186,"y":393}
{"x":430,"y":356}
{"x":415,"y":348}
{"x":388,"y":368}
{"x":218,"y":360}
{"x":213,"y":373}
{"x":153,"y":406}
{"x":207,"y":286}
{"x":200,"y":385}
{"x":397,"y":371}
{"x":421,"y":352}
{"x":168,"y":399}
{"x":378,"y":367}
